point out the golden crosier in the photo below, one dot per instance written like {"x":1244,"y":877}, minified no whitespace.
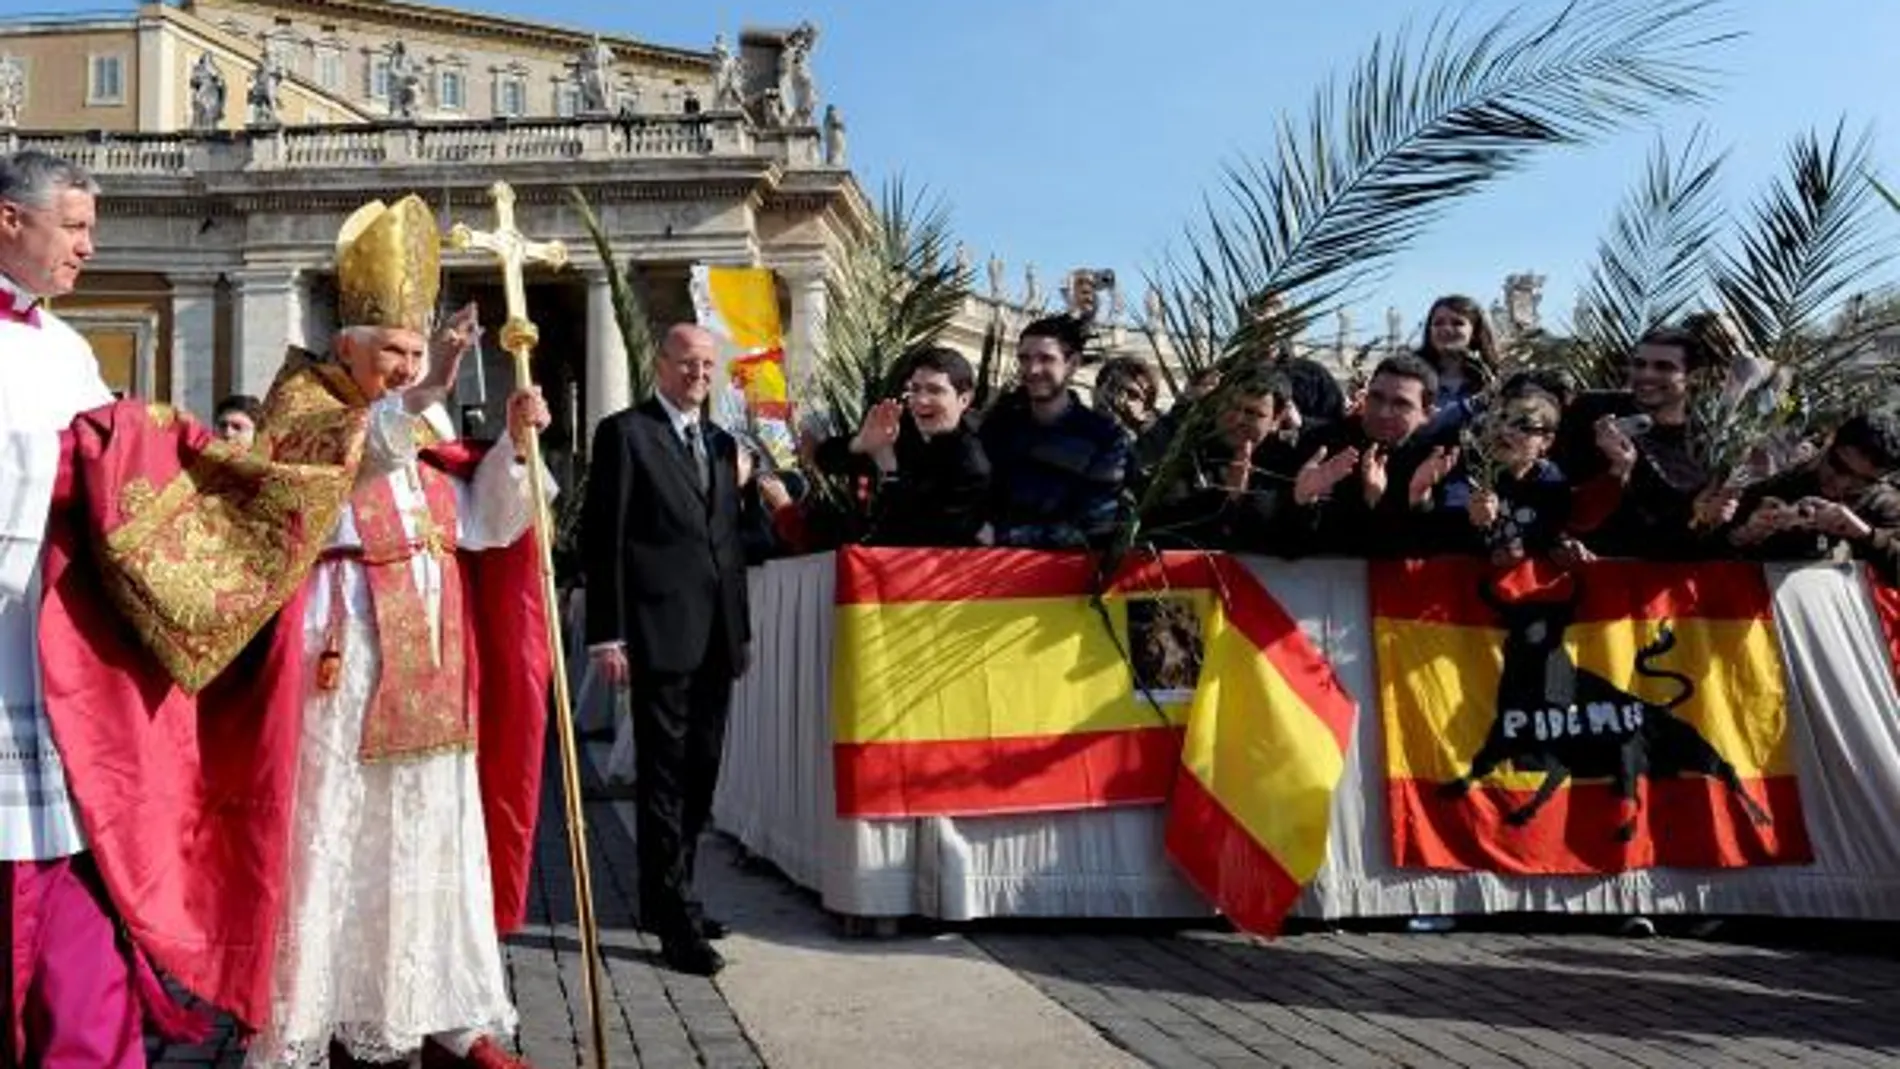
{"x":520,"y":335}
{"x":388,"y":266}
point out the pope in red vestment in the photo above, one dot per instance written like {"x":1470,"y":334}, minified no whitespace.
{"x":302,"y":728}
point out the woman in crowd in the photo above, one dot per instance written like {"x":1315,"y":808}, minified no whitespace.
{"x":1459,"y":346}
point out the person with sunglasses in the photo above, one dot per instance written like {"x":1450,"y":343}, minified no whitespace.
{"x":1841,"y":504}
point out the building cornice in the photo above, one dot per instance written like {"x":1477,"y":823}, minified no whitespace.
{"x":402,"y":13}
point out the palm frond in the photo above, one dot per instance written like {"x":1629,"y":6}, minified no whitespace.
{"x":895,"y":287}
{"x":1414,"y":128}
{"x":1653,"y":262}
{"x":1810,"y":239}
{"x":1807,"y":241}
{"x":630,"y":314}
{"x":1888,"y":195}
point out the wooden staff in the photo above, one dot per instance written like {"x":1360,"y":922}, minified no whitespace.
{"x":514,"y":252}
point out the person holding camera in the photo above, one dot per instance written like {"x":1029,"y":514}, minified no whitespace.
{"x":1841,"y":504}
{"x":1642,"y":437}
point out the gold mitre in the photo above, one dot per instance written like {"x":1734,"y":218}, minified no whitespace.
{"x":388,"y":265}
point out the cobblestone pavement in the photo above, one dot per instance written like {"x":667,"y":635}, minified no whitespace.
{"x":656,"y":1018}
{"x":1470,"y":999}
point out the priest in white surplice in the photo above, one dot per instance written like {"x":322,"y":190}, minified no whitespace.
{"x":73,"y":1000}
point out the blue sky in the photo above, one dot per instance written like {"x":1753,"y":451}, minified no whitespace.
{"x":1073,"y":132}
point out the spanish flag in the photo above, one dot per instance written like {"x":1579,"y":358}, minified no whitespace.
{"x":1621,"y":716}
{"x":1887,"y":606}
{"x":971,"y":682}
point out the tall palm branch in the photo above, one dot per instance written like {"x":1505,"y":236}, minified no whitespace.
{"x":1415,"y":127}
{"x":1653,"y":264}
{"x":636,"y":335}
{"x":894,"y":287}
{"x":1810,"y":239}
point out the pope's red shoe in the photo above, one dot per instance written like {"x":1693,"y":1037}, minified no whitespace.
{"x":485,"y":1054}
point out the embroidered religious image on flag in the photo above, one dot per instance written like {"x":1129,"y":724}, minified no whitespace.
{"x":1625,"y":715}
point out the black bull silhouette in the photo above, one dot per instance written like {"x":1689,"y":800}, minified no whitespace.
{"x":1555,"y":718}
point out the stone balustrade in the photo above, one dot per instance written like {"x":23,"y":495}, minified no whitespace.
{"x":424,"y":144}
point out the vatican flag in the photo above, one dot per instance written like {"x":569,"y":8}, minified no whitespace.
{"x":740,"y":306}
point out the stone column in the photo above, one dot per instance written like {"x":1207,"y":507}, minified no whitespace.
{"x":805,"y":334}
{"x":265,"y":320}
{"x":609,"y":384}
{"x":194,"y":343}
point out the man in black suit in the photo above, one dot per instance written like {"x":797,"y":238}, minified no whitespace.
{"x":667,"y":614}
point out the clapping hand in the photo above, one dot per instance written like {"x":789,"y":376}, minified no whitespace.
{"x":1431,"y":473}
{"x":1239,"y":470}
{"x":1373,"y":475}
{"x":1321,"y":473}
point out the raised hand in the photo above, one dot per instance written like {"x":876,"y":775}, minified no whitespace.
{"x":1431,"y":473}
{"x":1373,"y":474}
{"x":527,"y":415}
{"x":1716,"y":505}
{"x":453,"y":342}
{"x":1616,"y":447}
{"x":1239,"y":470}
{"x":1321,"y":473}
{"x":877,"y":438}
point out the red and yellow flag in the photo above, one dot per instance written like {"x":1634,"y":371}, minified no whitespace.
{"x":970,"y":682}
{"x":1887,"y":607}
{"x":1626,"y":715}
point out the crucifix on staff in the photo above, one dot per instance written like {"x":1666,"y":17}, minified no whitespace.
{"x":514,"y":251}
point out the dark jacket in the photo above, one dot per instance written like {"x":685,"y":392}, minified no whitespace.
{"x":1879,"y":506}
{"x":938,"y":496}
{"x":1658,"y":504}
{"x":1197,"y":511}
{"x":1532,"y":512}
{"x":1341,"y":524}
{"x":1057,"y":485}
{"x":665,"y":568}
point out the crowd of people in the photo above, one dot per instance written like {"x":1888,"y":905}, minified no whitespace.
{"x":1288,"y":463}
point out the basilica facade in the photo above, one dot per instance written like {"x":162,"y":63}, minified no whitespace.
{"x":232,"y":137}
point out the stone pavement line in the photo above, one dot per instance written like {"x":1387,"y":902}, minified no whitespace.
{"x":1467,"y":999}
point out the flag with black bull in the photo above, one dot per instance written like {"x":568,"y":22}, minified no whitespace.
{"x":1620,"y":716}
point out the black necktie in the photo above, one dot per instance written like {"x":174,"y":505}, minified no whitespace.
{"x":696,"y":448}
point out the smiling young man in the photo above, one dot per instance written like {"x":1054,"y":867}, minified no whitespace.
{"x":932,"y":477}
{"x":1661,"y":476}
{"x":1057,"y":466}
